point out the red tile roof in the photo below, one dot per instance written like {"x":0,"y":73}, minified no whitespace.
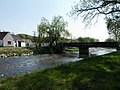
{"x":2,"y":35}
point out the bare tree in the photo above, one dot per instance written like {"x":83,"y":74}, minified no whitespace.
{"x":90,"y":9}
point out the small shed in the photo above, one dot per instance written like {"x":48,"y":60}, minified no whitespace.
{"x":28,"y":42}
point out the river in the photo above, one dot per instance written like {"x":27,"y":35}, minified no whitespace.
{"x":24,"y":64}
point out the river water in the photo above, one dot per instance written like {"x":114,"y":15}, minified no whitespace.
{"x":24,"y":64}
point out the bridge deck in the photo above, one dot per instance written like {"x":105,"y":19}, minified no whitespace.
{"x":93,"y":44}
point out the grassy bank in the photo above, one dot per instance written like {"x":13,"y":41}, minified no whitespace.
{"x":11,"y":51}
{"x":95,"y":73}
{"x":72,"y":49}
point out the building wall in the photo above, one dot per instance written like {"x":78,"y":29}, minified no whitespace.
{"x":28,"y":42}
{"x":15,"y":43}
{"x":8,"y":40}
{"x":23,"y":44}
{"x":19,"y":44}
{"x":1,"y":42}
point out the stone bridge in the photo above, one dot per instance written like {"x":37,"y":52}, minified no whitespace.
{"x":84,"y":46}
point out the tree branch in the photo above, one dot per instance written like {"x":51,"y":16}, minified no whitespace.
{"x":114,"y":2}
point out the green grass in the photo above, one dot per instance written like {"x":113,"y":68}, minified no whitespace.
{"x":95,"y":73}
{"x":10,"y":51}
{"x":72,"y":49}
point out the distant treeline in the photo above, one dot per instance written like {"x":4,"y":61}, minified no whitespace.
{"x":85,"y":39}
{"x":79,"y":39}
{"x":26,"y":36}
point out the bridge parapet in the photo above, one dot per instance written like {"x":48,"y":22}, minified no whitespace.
{"x":93,"y":44}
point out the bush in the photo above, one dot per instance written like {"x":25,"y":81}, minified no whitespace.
{"x":41,"y":50}
{"x":58,"y":48}
{"x":49,"y":50}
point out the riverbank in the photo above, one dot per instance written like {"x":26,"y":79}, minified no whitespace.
{"x":14,"y":51}
{"x":95,"y":73}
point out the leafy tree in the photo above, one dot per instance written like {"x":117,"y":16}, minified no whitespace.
{"x":22,"y":36}
{"x":113,"y":26}
{"x":90,"y":9}
{"x":53,"y":32}
{"x":57,"y":30}
{"x":109,"y":40}
{"x":26,"y":36}
{"x":43,"y":29}
{"x":87,"y":39}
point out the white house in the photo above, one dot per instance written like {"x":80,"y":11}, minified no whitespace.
{"x":6,"y":39}
{"x":18,"y":42}
{"x":28,"y":42}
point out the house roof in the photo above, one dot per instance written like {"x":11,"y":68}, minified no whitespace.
{"x":3,"y":34}
{"x":27,"y":40}
{"x":17,"y":38}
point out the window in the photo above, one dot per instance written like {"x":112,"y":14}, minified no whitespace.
{"x":9,"y":42}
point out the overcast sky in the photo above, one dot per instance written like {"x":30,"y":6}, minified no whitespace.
{"x":23,"y":16}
